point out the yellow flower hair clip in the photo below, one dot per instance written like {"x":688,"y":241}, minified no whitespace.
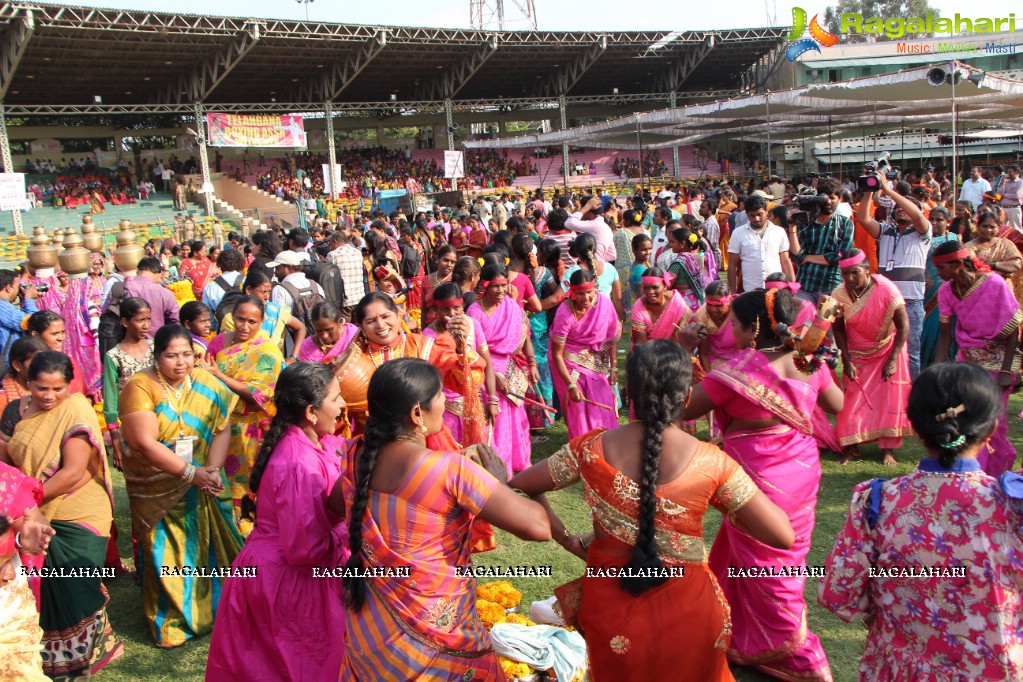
{"x":480,"y":261}
{"x":693,"y":238}
{"x":24,"y":323}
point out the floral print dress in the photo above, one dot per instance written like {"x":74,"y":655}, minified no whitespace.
{"x":933,"y":564}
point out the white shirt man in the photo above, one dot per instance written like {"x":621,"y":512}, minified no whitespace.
{"x":289,"y":264}
{"x":974,"y":188}
{"x":1012,"y":197}
{"x":760,"y":248}
{"x":596,"y":226}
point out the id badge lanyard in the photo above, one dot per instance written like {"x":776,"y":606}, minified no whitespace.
{"x":183,"y":445}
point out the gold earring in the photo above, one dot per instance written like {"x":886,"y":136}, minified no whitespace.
{"x":313,"y":420}
{"x":423,"y":428}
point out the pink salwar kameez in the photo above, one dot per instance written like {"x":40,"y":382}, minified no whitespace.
{"x":505,"y":331}
{"x":769,"y":627}
{"x":985,"y":316}
{"x":875,"y":409}
{"x":285,"y":622}
{"x":588,"y":344}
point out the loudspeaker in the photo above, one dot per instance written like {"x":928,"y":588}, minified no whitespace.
{"x":937,"y":76}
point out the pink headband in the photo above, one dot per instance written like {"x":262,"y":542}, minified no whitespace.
{"x":721,"y":300}
{"x":791,"y":286}
{"x":852,"y":260}
{"x":667,"y":280}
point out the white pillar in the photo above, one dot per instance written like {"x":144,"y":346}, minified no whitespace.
{"x":328,"y":109}
{"x":5,"y":157}
{"x":563,"y":113}
{"x":204,"y":159}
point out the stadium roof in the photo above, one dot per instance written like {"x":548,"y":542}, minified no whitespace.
{"x":877,"y":104}
{"x":55,"y":55}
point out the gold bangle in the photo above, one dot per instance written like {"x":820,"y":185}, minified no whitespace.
{"x":571,"y":387}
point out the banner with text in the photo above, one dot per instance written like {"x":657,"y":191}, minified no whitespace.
{"x":454,"y":164}
{"x":237,"y":130}
{"x":13,"y":192}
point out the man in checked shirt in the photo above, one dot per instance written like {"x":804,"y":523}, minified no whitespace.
{"x":816,"y":247}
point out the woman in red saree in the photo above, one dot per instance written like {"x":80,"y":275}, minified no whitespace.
{"x":871,"y":334}
{"x":464,"y":408}
{"x":584,"y":356}
{"x":446,"y":260}
{"x":762,"y":399}
{"x":410,"y":507}
{"x":506,"y":330}
{"x":987,"y":319}
{"x":199,"y":269}
{"x":649,"y":485}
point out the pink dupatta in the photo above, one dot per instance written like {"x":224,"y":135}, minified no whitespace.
{"x":310,"y":351}
{"x":676,"y":312}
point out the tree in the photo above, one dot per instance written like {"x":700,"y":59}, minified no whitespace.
{"x":882,"y":9}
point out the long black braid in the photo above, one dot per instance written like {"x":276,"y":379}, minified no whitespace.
{"x":395,"y":389}
{"x":299,"y":386}
{"x":659,"y":376}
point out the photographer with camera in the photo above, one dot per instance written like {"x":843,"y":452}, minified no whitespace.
{"x":11,"y":314}
{"x":817,"y":244}
{"x":902,"y":255}
{"x":590,"y":220}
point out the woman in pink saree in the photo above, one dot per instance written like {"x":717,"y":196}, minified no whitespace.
{"x":660,"y":311}
{"x":871,"y":334}
{"x":506,"y":331}
{"x":762,"y":399}
{"x":584,"y":356}
{"x":987,"y":318}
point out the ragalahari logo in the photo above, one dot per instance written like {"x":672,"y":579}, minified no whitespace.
{"x":819,"y":37}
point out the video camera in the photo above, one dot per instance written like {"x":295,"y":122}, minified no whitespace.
{"x":810,"y":206}
{"x":869,"y":183}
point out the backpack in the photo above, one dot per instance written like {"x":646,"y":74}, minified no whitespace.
{"x":110,"y":331}
{"x":328,"y":276}
{"x":232,"y":294}
{"x":304,"y":300}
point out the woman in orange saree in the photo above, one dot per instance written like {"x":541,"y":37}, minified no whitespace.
{"x":410,"y":510}
{"x":649,"y":484}
{"x":1000,"y":253}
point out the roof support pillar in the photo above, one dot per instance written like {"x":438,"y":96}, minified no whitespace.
{"x":15,"y":41}
{"x":335,"y":177}
{"x":5,"y":156}
{"x":674,"y":150}
{"x":204,"y":159}
{"x":563,"y":114}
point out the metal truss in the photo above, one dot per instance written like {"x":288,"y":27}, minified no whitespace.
{"x":12,"y":48}
{"x":452,"y":80}
{"x":198,"y":85}
{"x":565,"y":78}
{"x":329,"y":86}
{"x":676,"y":75}
{"x":83,"y":20}
{"x":354,"y":108}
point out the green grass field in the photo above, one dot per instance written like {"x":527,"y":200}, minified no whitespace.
{"x":843,"y":642}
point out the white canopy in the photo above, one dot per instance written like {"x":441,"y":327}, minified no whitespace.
{"x":863,"y":106}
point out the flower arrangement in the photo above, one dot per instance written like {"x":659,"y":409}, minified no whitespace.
{"x":500,"y":592}
{"x":490,"y":613}
{"x":513,"y":670}
{"x":518,"y":619}
{"x":182,"y":290}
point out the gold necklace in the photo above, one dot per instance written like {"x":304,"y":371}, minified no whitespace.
{"x":859,"y":294}
{"x":415,"y":440}
{"x":379,"y":357}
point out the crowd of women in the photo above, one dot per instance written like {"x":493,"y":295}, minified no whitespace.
{"x":266,"y":439}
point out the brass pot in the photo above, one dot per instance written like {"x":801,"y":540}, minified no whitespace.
{"x":91,"y":238}
{"x":42,"y":254}
{"x":128,"y":252}
{"x":75,"y":259}
{"x":58,"y":239}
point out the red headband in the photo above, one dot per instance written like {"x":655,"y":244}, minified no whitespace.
{"x":852,"y":260}
{"x":580,"y":288}
{"x":497,"y":280}
{"x":961,"y":254}
{"x":382,"y":272}
{"x":7,"y":543}
{"x":447,"y":303}
{"x":791,"y":286}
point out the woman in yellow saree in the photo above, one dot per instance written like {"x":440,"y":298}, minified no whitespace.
{"x":248,"y":365}
{"x":174,"y":417}
{"x":58,"y":441}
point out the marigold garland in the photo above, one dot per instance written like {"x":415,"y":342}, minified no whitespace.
{"x":514,"y":670}
{"x":182,"y":290}
{"x":490,"y":613}
{"x":500,"y":592}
